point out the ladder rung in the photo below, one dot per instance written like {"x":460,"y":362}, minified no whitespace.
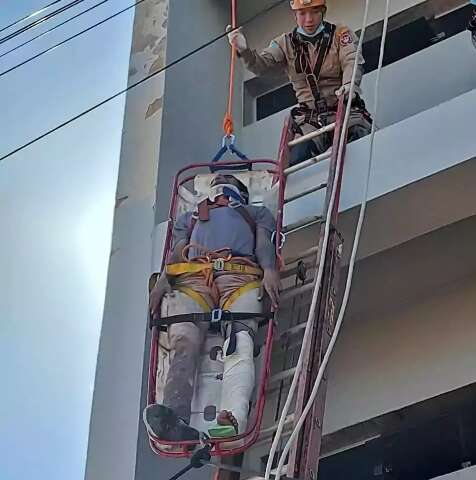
{"x":305,"y":222}
{"x":281,"y":376}
{"x":311,"y":135}
{"x":305,"y":192}
{"x":301,"y":256}
{"x":290,"y":293}
{"x":307,"y":163}
{"x":292,"y":331}
{"x":270,"y":430}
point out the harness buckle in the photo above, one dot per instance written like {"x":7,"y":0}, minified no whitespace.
{"x":215,"y":318}
{"x":218,"y":264}
{"x":321,"y":107}
{"x":228,"y":141}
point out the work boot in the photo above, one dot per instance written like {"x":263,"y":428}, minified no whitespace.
{"x":162,"y":422}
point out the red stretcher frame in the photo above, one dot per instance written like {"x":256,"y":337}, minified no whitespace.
{"x":248,"y":438}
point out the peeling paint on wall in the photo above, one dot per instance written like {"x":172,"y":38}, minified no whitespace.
{"x":149,"y":39}
{"x":154,"y":107}
{"x":131,"y":256}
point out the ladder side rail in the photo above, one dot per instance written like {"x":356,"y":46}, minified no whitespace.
{"x":312,"y":429}
{"x":304,"y":386}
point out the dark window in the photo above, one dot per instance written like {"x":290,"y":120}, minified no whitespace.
{"x":426,"y":451}
{"x":275,"y":101}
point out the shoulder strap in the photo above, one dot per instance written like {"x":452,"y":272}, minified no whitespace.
{"x":303,"y":61}
{"x":247,"y":218}
{"x":193,"y":222}
{"x":324,"y":47}
{"x":240,"y":209}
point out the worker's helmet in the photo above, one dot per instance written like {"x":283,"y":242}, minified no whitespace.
{"x":299,"y":4}
{"x":236,"y":185}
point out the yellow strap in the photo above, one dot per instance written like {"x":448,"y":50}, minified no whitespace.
{"x":195,"y":296}
{"x":176,"y":269}
{"x":180,"y":268}
{"x":240,"y":291}
{"x":239,"y":268}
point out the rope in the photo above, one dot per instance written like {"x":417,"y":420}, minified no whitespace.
{"x":228,"y":120}
{"x":355,"y":245}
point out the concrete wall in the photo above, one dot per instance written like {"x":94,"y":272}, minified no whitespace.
{"x":196,"y":91}
{"x":116,"y":403}
{"x":393,"y":359}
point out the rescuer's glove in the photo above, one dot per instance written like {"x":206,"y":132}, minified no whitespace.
{"x":237,"y":39}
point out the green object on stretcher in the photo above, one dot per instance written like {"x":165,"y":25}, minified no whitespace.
{"x":222,"y":431}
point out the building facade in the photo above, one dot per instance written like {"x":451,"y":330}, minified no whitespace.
{"x":402,"y":379}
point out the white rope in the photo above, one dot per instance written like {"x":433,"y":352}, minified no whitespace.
{"x":340,"y":317}
{"x":320,"y":272}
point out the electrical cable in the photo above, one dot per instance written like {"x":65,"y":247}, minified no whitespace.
{"x":41,"y":20}
{"x":30,"y":15}
{"x":136,"y":84}
{"x":70,"y":19}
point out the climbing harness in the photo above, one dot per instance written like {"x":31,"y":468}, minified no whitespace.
{"x":304,"y":65}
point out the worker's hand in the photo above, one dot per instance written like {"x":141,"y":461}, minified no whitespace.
{"x":271,"y":284}
{"x":237,"y":39}
{"x":162,"y":286}
{"x":344,"y":90}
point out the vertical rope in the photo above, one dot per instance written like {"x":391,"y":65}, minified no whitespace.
{"x":228,"y":120}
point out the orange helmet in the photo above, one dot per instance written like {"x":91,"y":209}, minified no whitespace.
{"x":298,"y":4}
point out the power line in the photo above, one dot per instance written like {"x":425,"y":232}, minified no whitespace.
{"x":74,"y":17}
{"x":139,"y":82}
{"x":30,"y":15}
{"x":39,"y":21}
{"x":49,"y":49}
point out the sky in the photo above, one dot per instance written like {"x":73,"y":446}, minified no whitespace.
{"x":56,"y":211}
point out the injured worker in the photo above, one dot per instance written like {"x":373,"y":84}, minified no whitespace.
{"x":235,"y":240}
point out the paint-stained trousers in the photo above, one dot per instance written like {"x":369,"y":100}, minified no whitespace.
{"x":186,"y":341}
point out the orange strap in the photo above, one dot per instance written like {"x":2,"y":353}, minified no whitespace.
{"x":228,"y":120}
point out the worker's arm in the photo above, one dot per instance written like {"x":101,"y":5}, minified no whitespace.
{"x":265,"y":253}
{"x":162,"y":285}
{"x":270,"y":59}
{"x":347,"y":42}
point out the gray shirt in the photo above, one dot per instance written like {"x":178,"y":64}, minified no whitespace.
{"x":226,"y":228}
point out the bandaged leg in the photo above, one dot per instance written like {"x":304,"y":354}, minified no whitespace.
{"x":239,"y":367}
{"x":239,"y":380}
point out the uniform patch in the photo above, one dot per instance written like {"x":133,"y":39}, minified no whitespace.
{"x":346,"y":39}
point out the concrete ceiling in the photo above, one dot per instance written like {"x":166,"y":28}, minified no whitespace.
{"x":414,"y":270}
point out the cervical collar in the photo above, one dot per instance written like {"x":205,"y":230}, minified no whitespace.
{"x":228,"y":190}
